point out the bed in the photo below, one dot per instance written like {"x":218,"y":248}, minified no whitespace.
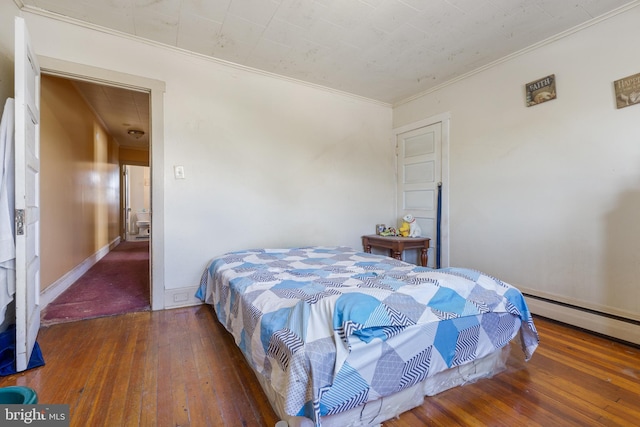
{"x":347,"y":338}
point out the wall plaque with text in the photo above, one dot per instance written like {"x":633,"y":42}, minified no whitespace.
{"x":541,"y":90}
{"x":627,"y":91}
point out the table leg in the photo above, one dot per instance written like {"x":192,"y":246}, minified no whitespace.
{"x":396,"y":254}
{"x":423,"y":257}
{"x":366,"y":245}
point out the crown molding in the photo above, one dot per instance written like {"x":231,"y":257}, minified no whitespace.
{"x":521,"y":52}
{"x":73,"y":21}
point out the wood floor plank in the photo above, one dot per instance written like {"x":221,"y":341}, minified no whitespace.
{"x":553,"y":397}
{"x":133,"y":406}
{"x":203,"y":353}
{"x":151,"y":372}
{"x":122,"y":373}
{"x":592,"y":386}
{"x":75,"y":348}
{"x":194,"y":376}
{"x":626,"y":411}
{"x":165,"y":378}
{"x":101,"y":379}
{"x":582,"y":358}
{"x":181,"y":367}
{"x":179,"y":376}
{"x":223,"y":353}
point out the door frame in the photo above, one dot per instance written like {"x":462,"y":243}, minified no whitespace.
{"x":124,"y":201}
{"x":156,"y":89}
{"x":444,"y":119}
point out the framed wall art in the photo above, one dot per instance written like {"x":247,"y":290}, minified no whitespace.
{"x":541,"y":90}
{"x":627,"y":91}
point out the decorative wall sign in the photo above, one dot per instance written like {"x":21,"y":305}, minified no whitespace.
{"x":541,"y":90}
{"x":627,"y":91}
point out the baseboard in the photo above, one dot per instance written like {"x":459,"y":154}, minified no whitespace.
{"x":601,"y":323}
{"x":181,"y":297}
{"x":54,"y":290}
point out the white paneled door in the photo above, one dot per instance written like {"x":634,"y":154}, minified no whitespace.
{"x":27,"y":197}
{"x":419,"y":156}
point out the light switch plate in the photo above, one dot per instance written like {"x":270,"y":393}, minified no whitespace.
{"x":178,"y":172}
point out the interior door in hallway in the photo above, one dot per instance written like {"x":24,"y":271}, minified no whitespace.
{"x":419,"y":168}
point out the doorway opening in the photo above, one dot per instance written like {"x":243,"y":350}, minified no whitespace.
{"x":155,"y":157}
{"x":86,"y":138}
{"x":137,"y":202}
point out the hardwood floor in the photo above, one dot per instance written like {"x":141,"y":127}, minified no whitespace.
{"x":180,"y":368}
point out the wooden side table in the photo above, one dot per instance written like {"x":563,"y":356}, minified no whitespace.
{"x":397,"y":245}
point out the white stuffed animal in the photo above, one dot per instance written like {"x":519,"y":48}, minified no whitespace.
{"x":414,"y":228}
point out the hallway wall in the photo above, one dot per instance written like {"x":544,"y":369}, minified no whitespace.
{"x":80,"y":186}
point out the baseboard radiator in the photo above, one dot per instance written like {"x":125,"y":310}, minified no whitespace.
{"x":617,"y":327}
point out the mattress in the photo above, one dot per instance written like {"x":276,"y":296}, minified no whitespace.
{"x":329,"y":330}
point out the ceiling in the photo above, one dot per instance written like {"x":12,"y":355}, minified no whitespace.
{"x":385,"y":50}
{"x":121,"y":110}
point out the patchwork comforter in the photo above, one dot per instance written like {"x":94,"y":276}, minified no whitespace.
{"x":333,"y":328}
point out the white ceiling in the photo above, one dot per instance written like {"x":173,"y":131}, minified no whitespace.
{"x":386,"y":50}
{"x":120,"y":110}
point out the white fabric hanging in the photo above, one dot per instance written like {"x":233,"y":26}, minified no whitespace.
{"x":7,"y":209}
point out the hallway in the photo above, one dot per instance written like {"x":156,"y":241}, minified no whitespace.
{"x":117,"y":284}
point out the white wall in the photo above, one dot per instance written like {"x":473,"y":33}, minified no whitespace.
{"x":6,"y":80}
{"x":548,"y":197}
{"x":7,"y":12}
{"x":268,"y":162}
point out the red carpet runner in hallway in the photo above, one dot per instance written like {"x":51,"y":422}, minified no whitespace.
{"x":117,"y":284}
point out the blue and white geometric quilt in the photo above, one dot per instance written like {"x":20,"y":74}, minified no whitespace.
{"x":332,"y":328}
